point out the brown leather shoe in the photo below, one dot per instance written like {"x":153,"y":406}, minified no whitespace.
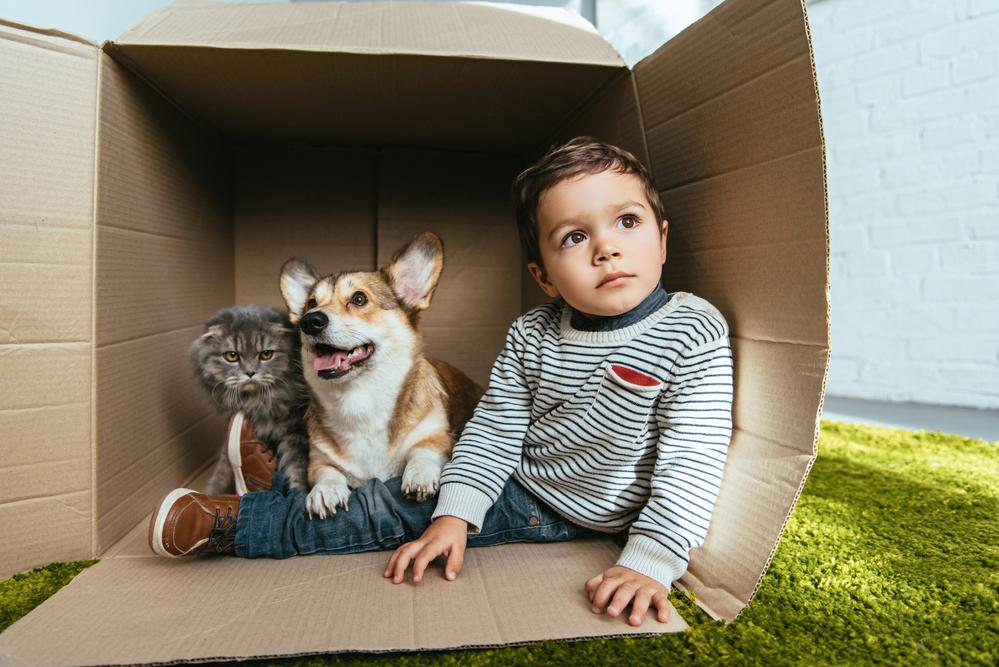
{"x":253,"y":461}
{"x":188,"y":523}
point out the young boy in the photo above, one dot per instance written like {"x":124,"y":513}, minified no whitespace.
{"x":609,"y":409}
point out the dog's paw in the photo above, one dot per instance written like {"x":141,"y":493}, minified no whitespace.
{"x":421,"y":479}
{"x":326,"y":495}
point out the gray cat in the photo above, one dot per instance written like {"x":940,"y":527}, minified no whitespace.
{"x":249,"y":360}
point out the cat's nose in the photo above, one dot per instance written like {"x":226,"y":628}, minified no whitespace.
{"x":314,"y":323}
{"x":250,"y":374}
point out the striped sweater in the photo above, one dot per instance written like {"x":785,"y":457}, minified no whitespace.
{"x":611,"y":429}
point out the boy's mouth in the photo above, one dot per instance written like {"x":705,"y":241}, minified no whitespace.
{"x":614,"y":279}
{"x":334,"y":362}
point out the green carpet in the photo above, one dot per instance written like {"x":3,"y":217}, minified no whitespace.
{"x":891,"y":557}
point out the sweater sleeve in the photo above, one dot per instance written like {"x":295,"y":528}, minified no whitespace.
{"x":492,"y":442}
{"x":694,"y":415}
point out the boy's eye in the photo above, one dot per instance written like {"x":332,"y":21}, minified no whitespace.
{"x":359,"y":298}
{"x":628,"y":222}
{"x":230,"y":356}
{"x":573,"y":238}
{"x":311,"y":304}
{"x":266,"y":354}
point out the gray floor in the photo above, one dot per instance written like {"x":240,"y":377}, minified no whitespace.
{"x":969,"y":422}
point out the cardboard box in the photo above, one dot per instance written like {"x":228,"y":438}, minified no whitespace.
{"x":150,"y":181}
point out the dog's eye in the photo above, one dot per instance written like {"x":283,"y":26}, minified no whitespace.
{"x":266,"y":354}
{"x":359,"y":298}
{"x":311,"y":304}
{"x":231,"y":356}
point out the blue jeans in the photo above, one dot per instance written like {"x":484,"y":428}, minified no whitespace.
{"x":275,"y":524}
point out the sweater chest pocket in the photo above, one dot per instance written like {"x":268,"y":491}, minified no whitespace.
{"x":623,"y":403}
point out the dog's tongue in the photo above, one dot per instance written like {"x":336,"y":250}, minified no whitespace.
{"x":328,"y":362}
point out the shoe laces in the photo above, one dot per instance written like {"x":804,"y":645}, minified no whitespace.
{"x":223,"y":532}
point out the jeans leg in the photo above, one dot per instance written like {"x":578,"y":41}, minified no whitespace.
{"x":519,"y":517}
{"x":279,"y":483}
{"x":379,"y":517}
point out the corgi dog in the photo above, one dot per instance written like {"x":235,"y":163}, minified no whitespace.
{"x":378,"y":408}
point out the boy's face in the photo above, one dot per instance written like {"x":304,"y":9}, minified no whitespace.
{"x":600,"y":244}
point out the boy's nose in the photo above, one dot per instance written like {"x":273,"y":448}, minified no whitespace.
{"x":606,"y":252}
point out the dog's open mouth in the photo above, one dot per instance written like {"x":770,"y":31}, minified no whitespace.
{"x":334,"y":362}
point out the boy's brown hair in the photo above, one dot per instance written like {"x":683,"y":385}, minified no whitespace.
{"x":582,"y":155}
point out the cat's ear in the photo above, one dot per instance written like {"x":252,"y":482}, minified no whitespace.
{"x":205,"y":342}
{"x":212,"y":333}
{"x":415,"y":269}
{"x":297,"y":280}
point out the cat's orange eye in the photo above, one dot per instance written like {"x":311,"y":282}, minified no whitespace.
{"x":311,"y":304}
{"x":359,"y":298}
{"x":266,"y":354}
{"x":230,"y":356}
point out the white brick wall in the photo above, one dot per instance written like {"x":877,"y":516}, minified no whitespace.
{"x":910,"y":106}
{"x":910,"y":109}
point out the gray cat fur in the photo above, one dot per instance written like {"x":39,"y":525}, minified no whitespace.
{"x":274,"y":403}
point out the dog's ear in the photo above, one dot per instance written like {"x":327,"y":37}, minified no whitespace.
{"x":297,"y":280}
{"x":415,"y":269}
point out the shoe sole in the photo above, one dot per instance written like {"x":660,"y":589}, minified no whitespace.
{"x":158,"y":521}
{"x":235,"y":455}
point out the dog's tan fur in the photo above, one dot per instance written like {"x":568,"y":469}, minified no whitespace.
{"x":383,"y":410}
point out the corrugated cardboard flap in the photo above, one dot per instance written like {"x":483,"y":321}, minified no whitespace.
{"x":444,"y":76}
{"x":482,"y":30}
{"x":49,"y":102}
{"x":731,"y":119}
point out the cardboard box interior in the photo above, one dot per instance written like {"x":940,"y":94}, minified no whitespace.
{"x":183,"y":164}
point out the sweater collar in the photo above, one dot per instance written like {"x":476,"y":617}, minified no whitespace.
{"x":653,"y":302}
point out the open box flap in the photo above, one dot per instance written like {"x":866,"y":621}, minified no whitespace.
{"x":47,"y":131}
{"x":479,"y":29}
{"x":732,"y":123}
{"x":485,"y":78}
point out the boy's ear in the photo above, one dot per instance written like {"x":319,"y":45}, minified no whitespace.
{"x":297,"y":280}
{"x":662,"y":241}
{"x":542,"y":278}
{"x":415,"y":270}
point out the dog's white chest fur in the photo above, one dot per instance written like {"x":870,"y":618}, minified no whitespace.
{"x":360,"y":413}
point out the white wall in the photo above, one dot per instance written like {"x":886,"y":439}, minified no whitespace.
{"x":636,"y":28}
{"x":100,"y":20}
{"x":910,"y":107}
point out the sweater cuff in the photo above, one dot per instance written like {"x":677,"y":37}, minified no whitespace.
{"x":646,"y":556}
{"x":464,"y":502}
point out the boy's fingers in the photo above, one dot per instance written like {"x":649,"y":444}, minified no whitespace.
{"x":423,"y":558}
{"x":391,"y":563}
{"x":402,"y":563}
{"x":603,"y":593}
{"x":622,"y":598}
{"x":591,"y":586}
{"x":639,"y":606}
{"x":455,"y":559}
{"x":394,"y":559}
{"x":661,"y":601}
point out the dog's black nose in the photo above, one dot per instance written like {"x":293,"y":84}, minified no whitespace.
{"x":314,"y":323}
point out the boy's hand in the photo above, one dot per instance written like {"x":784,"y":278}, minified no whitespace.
{"x":621,"y":586}
{"x":446,"y":535}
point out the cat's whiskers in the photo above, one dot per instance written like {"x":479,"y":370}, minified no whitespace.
{"x":213,"y":393}
{"x":283,"y":381}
